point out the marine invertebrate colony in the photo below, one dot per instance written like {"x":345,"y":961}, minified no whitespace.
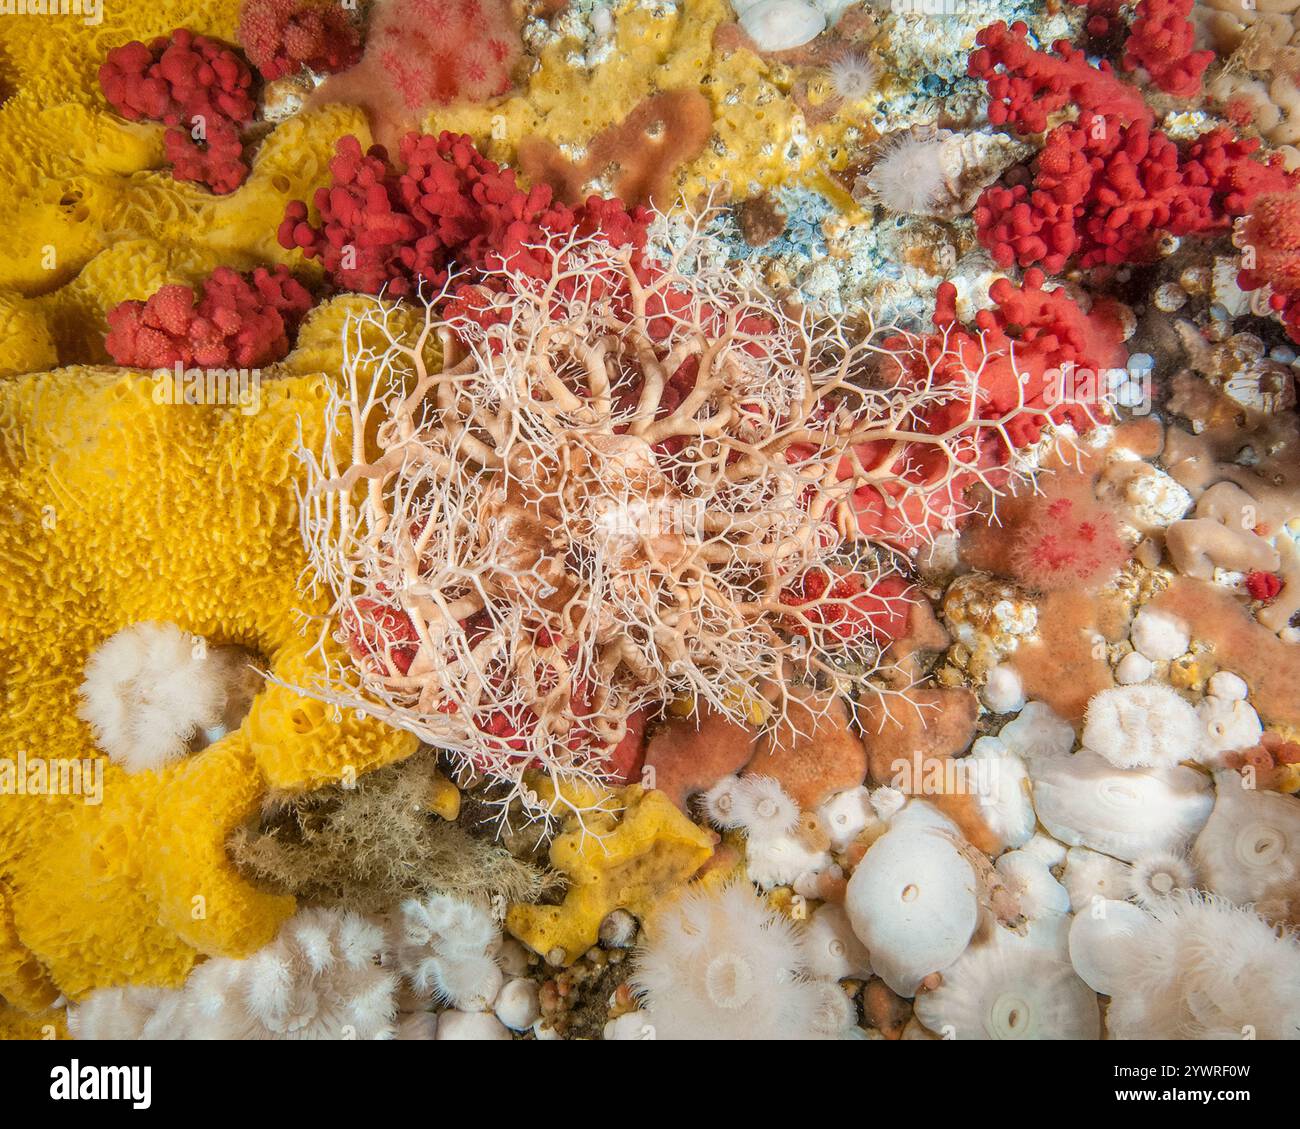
{"x":612,"y":492}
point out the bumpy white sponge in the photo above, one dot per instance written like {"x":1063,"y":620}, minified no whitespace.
{"x":1143,"y":726}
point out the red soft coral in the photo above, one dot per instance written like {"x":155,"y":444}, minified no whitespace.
{"x":200,"y":88}
{"x":1161,"y":42}
{"x":451,"y":207}
{"x":1270,"y":248}
{"x":1027,"y":86}
{"x":283,"y":36}
{"x":233,"y":319}
{"x":1104,"y":192}
{"x":1067,"y":540}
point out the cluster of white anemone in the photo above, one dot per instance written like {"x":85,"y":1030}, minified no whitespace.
{"x":1130,"y":869}
{"x":334,"y":974}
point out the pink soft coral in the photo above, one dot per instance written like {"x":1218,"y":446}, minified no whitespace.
{"x":233,"y":319}
{"x":422,"y":54}
{"x":1067,"y":540}
{"x":283,"y":36}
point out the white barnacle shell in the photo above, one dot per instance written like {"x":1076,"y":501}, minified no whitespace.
{"x":1083,"y":800}
{"x":1249,"y":851}
{"x":912,"y":900}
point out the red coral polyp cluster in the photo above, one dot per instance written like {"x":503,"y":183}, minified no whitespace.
{"x":232,"y":319}
{"x":1027,"y":86}
{"x":281,"y":37}
{"x":1161,"y":43}
{"x":201,"y":89}
{"x":1066,"y":540}
{"x":1270,"y":254}
{"x":1105,"y":192}
{"x":381,"y":230}
{"x":1107,"y":188}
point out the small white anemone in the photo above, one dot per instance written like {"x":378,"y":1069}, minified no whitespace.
{"x":1158,"y":875}
{"x":853,"y":76}
{"x":1038,"y":730}
{"x":719,"y":802}
{"x":1142,"y":726}
{"x":913,"y":898}
{"x":1004,"y":803}
{"x":1037,"y":891}
{"x":1013,"y":987}
{"x":153,"y":692}
{"x":1227,"y":725}
{"x":1090,"y":876}
{"x":1083,"y":800}
{"x":834,"y":951}
{"x":1004,"y":690}
{"x":782,"y":860}
{"x":846,"y":815}
{"x":445,"y":949}
{"x":1249,"y":850}
{"x":907,"y":176}
{"x":763,"y":809}
{"x":1159,"y":635}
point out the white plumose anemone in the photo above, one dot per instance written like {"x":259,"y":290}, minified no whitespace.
{"x":1199,"y":967}
{"x":1005,"y":807}
{"x":1083,"y":800}
{"x":1013,"y":987}
{"x":1249,"y":851}
{"x":722,"y":965}
{"x":1038,"y":730}
{"x":152,"y":692}
{"x":444,"y":947}
{"x":913,"y":899}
